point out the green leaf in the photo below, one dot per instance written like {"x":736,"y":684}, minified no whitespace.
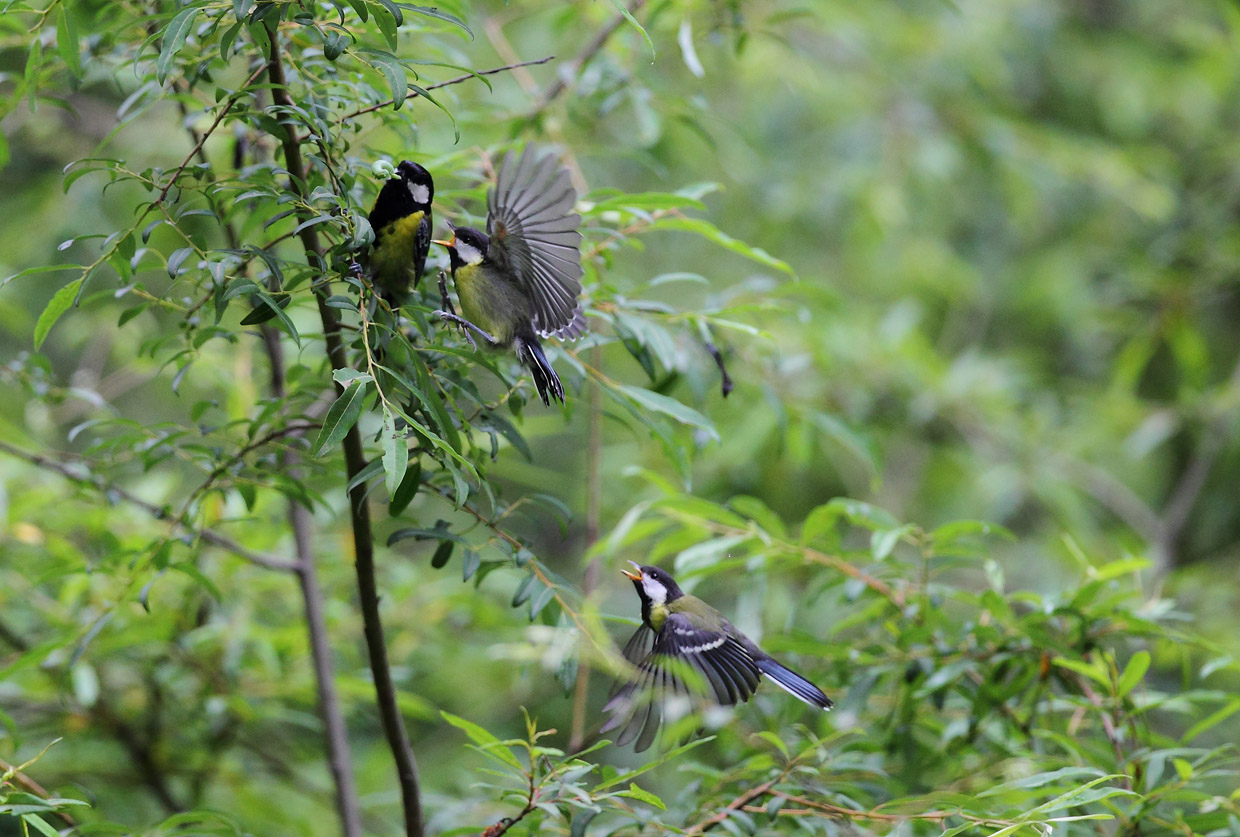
{"x":393,"y":71}
{"x":395,"y":453}
{"x":537,"y":603}
{"x":1212,"y":720}
{"x":712,"y":233}
{"x":643,"y":795}
{"x":431,"y":11}
{"x":486,"y":742}
{"x":59,"y":304}
{"x":407,"y":490}
{"x":669,"y":406}
{"x":1133,"y":672}
{"x":627,"y":15}
{"x":443,"y":554}
{"x":67,"y":40}
{"x":523,"y":590}
{"x":173,"y":39}
{"x":341,"y":416}
{"x":388,"y":19}
{"x":39,"y":825}
{"x":1038,"y":780}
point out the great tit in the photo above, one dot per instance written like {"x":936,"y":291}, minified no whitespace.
{"x":520,"y":280}
{"x":401,"y":220}
{"x":682,"y":632}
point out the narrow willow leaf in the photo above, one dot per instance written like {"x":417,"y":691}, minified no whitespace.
{"x":341,"y":416}
{"x":173,"y":39}
{"x":59,"y":304}
{"x":1133,"y":672}
{"x":670,"y":407}
{"x":67,"y":40}
{"x":395,"y":453}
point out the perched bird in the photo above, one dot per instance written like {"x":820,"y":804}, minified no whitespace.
{"x":401,"y":220}
{"x":520,"y":280}
{"x":682,"y":633}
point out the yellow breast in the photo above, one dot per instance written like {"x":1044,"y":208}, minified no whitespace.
{"x":392,"y":260}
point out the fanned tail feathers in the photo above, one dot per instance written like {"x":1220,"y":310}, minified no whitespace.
{"x":531,"y":355}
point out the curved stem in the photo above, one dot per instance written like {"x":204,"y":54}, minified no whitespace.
{"x":355,"y":461}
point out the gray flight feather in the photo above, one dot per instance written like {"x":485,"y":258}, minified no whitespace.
{"x":533,"y":233}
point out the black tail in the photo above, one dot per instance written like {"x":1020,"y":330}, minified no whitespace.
{"x":794,"y":684}
{"x":530,"y":353}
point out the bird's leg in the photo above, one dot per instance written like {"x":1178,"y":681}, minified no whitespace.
{"x":445,"y":300}
{"x":467,"y":326}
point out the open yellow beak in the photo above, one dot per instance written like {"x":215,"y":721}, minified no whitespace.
{"x":637,"y":576}
{"x":442,"y":243}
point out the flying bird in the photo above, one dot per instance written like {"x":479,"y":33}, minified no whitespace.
{"x":682,"y":633}
{"x":521,"y":279}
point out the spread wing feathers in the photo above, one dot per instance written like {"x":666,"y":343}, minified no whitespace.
{"x":727,"y":669}
{"x":533,"y":232}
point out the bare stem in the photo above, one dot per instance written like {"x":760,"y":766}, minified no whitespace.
{"x":111,"y":489}
{"x":301,"y":524}
{"x":355,"y":461}
{"x":594,"y":490}
{"x":466,"y":77}
{"x":591,"y":49}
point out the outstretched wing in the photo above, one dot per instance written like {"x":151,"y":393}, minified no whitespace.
{"x":533,"y":232}
{"x":722,"y":661}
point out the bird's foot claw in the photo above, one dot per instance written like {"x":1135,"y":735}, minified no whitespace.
{"x":466,"y":325}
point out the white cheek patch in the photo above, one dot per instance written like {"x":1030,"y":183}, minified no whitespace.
{"x":656,"y":591}
{"x":470,"y":255}
{"x":419,"y":193}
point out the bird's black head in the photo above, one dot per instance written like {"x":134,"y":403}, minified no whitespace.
{"x":468,"y":246}
{"x":417,"y":181}
{"x":653,"y":585}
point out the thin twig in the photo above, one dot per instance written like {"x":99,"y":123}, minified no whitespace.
{"x":219,"y":117}
{"x":108,"y":488}
{"x":34,"y":788}
{"x":355,"y":461}
{"x":335,"y":731}
{"x":1187,"y":490}
{"x":591,"y":49}
{"x":736,"y":804}
{"x":466,"y":77}
{"x":594,"y":491}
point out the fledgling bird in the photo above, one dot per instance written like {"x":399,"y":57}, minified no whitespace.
{"x":401,"y":219}
{"x":520,"y":280}
{"x":682,"y":630}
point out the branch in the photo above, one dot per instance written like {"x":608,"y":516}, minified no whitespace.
{"x":140,"y":753}
{"x":33,"y":788}
{"x":735,"y":805}
{"x":355,"y":461}
{"x":1186,"y":492}
{"x":594,"y":493}
{"x":335,"y":730}
{"x":106,"y":487}
{"x":197,"y":149}
{"x":466,"y":77}
{"x":573,"y":67}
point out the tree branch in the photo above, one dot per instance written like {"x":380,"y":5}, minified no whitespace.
{"x":335,"y":731}
{"x":106,"y":487}
{"x":735,"y":805}
{"x":570,"y":70}
{"x":355,"y":461}
{"x":1187,"y":490}
{"x":33,"y":788}
{"x":466,"y":77}
{"x":594,"y":492}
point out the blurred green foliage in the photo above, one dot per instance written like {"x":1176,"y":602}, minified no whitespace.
{"x":964,"y":262}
